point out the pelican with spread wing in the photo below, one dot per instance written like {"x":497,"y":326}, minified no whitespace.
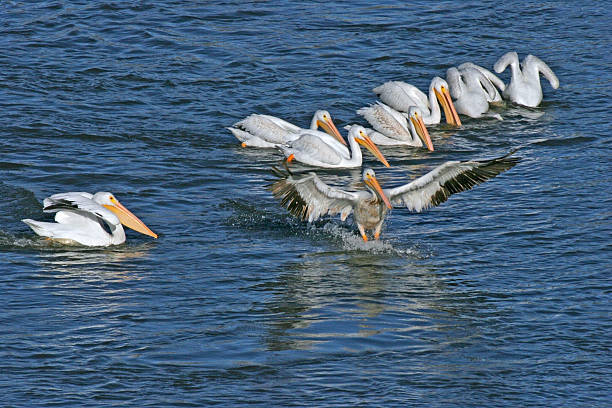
{"x":269,"y":131}
{"x":87,"y":219}
{"x":524,"y":87}
{"x":309,"y":198}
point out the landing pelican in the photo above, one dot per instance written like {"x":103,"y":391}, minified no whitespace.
{"x":524,"y":87}
{"x":309,"y":198}
{"x":314,"y":151}
{"x":401,"y":96}
{"x":466,"y":87}
{"x":393,"y":128}
{"x":491,"y":93}
{"x":87,"y":219}
{"x":269,"y":131}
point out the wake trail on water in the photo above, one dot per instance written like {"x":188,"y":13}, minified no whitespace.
{"x":345,"y":236}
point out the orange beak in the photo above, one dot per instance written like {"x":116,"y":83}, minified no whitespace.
{"x":369,"y":144}
{"x":372,"y":182}
{"x":421,"y":130}
{"x":128,"y":219}
{"x":329,"y":128}
{"x":450,"y":113}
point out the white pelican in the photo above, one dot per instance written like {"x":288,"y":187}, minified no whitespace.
{"x":401,"y":96}
{"x":86,"y":219}
{"x":524,"y":87}
{"x":269,"y":131}
{"x":314,"y":151}
{"x":309,"y":198}
{"x":491,"y":93}
{"x":466,"y":87}
{"x":392,"y":128}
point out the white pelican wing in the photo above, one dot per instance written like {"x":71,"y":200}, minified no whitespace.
{"x":445,"y":180}
{"x":289,"y":127}
{"x":311,"y":149}
{"x":386,"y":120}
{"x":309,"y":198}
{"x":79,"y":202}
{"x":268,"y":128}
{"x":401,"y":95}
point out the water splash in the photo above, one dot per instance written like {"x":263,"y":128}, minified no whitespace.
{"x":344,"y":236}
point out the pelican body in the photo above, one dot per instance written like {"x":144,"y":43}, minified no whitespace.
{"x":269,"y":131}
{"x":314,"y":151}
{"x":393,"y":128}
{"x":466,"y":87}
{"x":524,"y":87}
{"x":491,"y":92}
{"x":87,"y":219}
{"x":309,"y":198}
{"x":401,"y":96}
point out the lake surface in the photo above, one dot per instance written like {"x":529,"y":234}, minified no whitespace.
{"x":499,"y":297}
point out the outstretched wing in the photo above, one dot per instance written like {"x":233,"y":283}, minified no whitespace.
{"x":75,"y":201}
{"x":309,"y":198}
{"x":447,"y":179}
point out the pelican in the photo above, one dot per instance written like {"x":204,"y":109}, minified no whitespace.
{"x":401,"y":96}
{"x":87,"y":219}
{"x":393,"y":128}
{"x":466,"y":87}
{"x":314,"y":151}
{"x":524,"y":87}
{"x":309,"y":198}
{"x":269,"y":131}
{"x":491,"y":93}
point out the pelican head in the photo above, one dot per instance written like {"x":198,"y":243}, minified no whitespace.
{"x":125,"y":216}
{"x":323,"y":119}
{"x":369,"y":178}
{"x":360,"y":135}
{"x":441,"y":89}
{"x":416,"y":117}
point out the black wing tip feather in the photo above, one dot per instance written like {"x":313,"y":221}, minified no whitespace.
{"x":487,"y":169}
{"x":285,"y":191}
{"x":61,"y":204}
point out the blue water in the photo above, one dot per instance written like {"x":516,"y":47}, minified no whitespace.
{"x":499,"y":297}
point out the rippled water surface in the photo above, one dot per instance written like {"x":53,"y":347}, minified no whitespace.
{"x":499,"y":297}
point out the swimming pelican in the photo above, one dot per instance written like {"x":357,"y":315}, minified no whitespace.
{"x":401,"y":96}
{"x":309,"y":198}
{"x":314,"y":151}
{"x":466,"y":87}
{"x":491,"y":93}
{"x":394,"y":128}
{"x":524,"y":87}
{"x":269,"y":131}
{"x":86,"y":219}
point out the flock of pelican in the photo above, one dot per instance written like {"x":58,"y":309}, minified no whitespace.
{"x":398,"y":119}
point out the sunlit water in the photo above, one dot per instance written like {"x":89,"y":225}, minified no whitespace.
{"x":500,"y":296}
